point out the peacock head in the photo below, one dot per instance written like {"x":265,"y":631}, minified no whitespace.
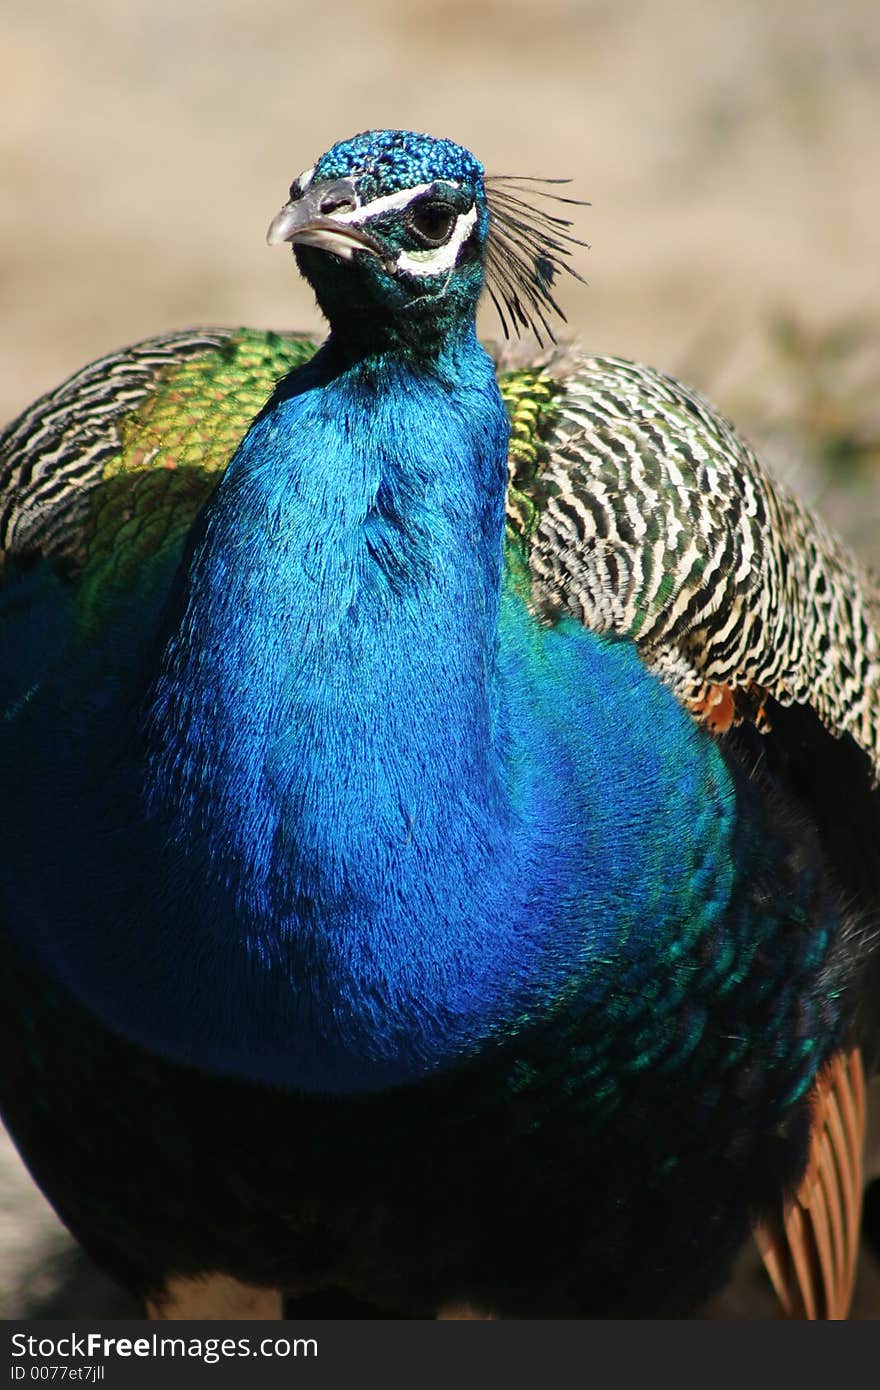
{"x":396,"y":233}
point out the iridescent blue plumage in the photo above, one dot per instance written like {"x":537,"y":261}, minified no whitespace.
{"x":385,"y":162}
{"x":320,"y":804}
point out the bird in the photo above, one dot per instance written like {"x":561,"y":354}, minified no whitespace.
{"x":440,"y":850}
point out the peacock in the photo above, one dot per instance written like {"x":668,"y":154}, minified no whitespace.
{"x":441,"y":840}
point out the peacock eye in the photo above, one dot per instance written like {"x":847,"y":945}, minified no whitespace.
{"x":431,"y":223}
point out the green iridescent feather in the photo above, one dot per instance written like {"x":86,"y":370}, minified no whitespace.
{"x":174,"y":446}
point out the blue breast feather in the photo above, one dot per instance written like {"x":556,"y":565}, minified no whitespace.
{"x":371,"y":816}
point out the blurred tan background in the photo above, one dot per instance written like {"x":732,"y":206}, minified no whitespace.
{"x":729,"y":149}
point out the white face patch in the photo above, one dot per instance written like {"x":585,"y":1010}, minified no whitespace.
{"x":431,"y":260}
{"x":436,"y":260}
{"x":391,"y":202}
{"x":338,"y":234}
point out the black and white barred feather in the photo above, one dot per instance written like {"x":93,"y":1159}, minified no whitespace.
{"x":657,"y":522}
{"x":54,"y":454}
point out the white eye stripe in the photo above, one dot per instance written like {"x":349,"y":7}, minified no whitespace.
{"x":392,"y":202}
{"x":435,"y":261}
{"x":421,"y":263}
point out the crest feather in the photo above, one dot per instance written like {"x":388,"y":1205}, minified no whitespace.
{"x":528,"y":248}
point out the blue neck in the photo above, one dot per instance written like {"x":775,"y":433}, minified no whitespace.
{"x":332,"y":684}
{"x":340,"y":622}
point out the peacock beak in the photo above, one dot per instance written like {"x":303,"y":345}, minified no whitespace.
{"x":314,"y":219}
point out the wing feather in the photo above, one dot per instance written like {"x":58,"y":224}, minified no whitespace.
{"x":810,"y":1251}
{"x":159,"y":419}
{"x":643,"y":514}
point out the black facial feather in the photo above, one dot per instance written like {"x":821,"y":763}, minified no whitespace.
{"x":527,"y":248}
